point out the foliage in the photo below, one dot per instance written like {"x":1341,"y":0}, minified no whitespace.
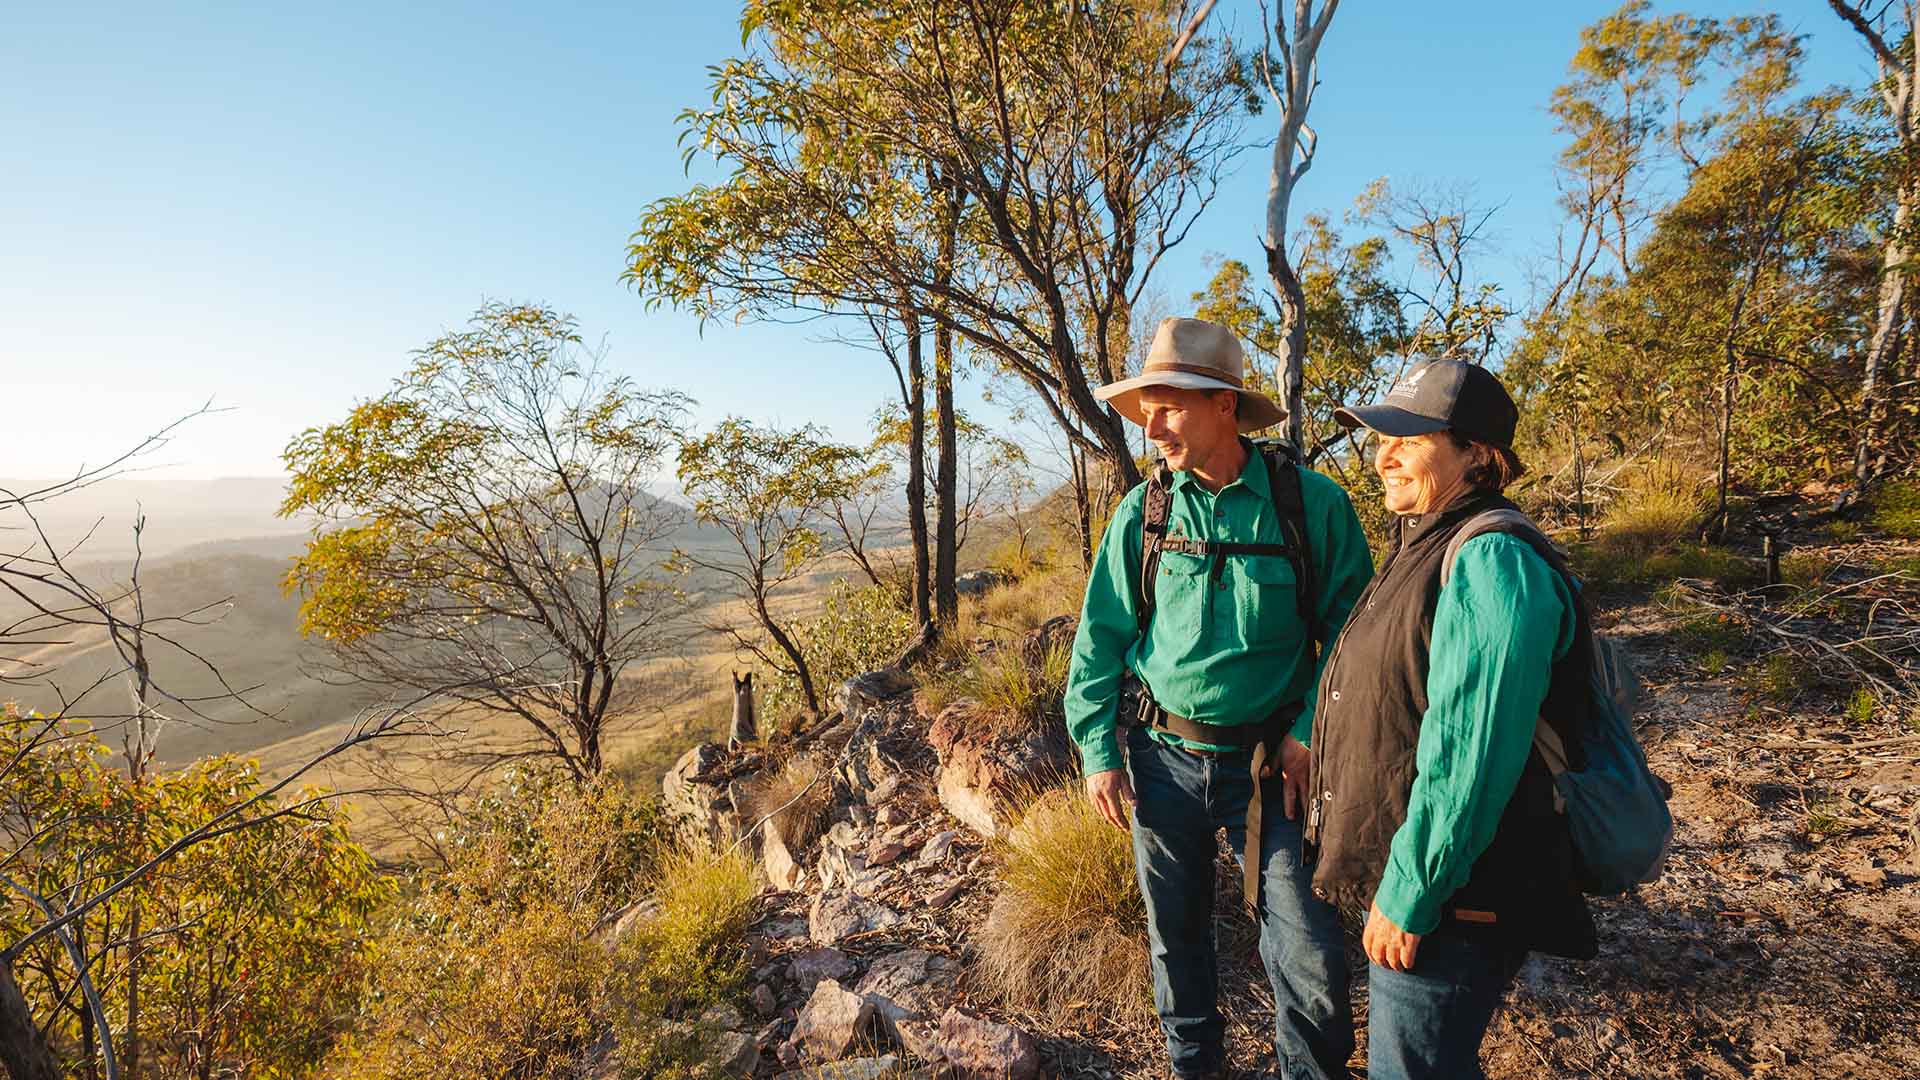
{"x":770,"y":492}
{"x":486,"y":533}
{"x":1862,"y":706}
{"x":252,"y":942}
{"x":1895,"y":509}
{"x":491,"y":968}
{"x":858,"y":629}
{"x":1067,"y":931}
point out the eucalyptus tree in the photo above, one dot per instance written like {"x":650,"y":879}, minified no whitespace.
{"x":1891,"y":40}
{"x":1070,"y":156}
{"x":485,"y":529}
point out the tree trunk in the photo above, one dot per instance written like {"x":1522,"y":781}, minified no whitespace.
{"x":917,"y":470}
{"x":789,"y":647}
{"x":1292,"y":356}
{"x":25,"y":1054}
{"x":1886,"y":336}
{"x":946,"y":598}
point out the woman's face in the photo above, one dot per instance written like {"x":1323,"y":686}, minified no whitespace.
{"x":1422,"y":472}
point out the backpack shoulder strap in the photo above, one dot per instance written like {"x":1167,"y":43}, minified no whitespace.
{"x":1153,"y":536}
{"x":1289,"y":502}
{"x":1504,"y":519}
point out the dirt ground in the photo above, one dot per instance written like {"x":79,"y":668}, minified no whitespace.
{"x":1784,"y":938}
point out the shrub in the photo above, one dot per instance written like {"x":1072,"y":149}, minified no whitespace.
{"x":1646,"y":520}
{"x":1709,"y":632}
{"x":1068,"y":929}
{"x":859,"y":628}
{"x":1861,"y":706}
{"x":1895,"y":509}
{"x":1841,"y":530}
{"x":1805,"y":568}
{"x":1782,"y":678}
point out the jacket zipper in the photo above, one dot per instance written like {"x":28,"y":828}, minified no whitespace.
{"x":1316,"y":807}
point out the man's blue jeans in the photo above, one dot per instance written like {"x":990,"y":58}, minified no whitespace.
{"x":1430,"y":1021}
{"x":1183,"y":799}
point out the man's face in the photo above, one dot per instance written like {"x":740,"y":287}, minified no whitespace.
{"x":1190,"y":427}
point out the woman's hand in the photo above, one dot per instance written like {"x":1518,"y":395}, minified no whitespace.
{"x":1386,"y":944}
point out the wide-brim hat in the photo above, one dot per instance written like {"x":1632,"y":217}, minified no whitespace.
{"x":1193,"y":354}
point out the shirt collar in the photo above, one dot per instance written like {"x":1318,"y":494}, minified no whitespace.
{"x":1253,"y":474}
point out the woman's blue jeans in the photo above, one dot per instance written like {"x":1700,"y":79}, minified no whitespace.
{"x":1183,"y":800}
{"x":1429,"y":1021}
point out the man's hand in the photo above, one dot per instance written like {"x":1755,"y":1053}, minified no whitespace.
{"x":1386,"y":944}
{"x":1294,"y":761}
{"x":1112,"y":795}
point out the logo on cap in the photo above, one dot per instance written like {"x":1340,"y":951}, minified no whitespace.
{"x":1407,"y":386}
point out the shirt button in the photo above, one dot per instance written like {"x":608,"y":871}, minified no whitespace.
{"x":1336,"y":695}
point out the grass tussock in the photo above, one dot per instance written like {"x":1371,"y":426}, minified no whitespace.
{"x":1013,"y":695}
{"x":1067,"y":933}
{"x":799,"y":823}
{"x":1895,"y":509}
{"x":1648,"y":536}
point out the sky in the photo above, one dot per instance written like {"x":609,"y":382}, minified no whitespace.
{"x":269,"y":206}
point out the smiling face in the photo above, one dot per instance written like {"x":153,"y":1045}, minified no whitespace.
{"x":1191,"y":428}
{"x":1423,"y":472}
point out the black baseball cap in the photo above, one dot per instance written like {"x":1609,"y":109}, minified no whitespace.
{"x":1435,"y":395}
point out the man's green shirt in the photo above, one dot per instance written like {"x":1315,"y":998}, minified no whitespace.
{"x":1226,"y":651}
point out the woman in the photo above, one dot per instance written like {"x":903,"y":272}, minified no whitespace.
{"x":1430,"y":808}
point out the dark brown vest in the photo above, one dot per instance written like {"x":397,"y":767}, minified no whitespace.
{"x":1366,"y":732}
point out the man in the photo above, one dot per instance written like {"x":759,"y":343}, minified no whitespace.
{"x":1225,"y":651}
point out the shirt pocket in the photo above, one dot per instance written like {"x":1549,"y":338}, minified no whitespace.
{"x":1267,"y":604}
{"x":1179,"y":601}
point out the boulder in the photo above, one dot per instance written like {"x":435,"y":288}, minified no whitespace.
{"x":690,"y":792}
{"x":921,"y":1039}
{"x":733,"y":1053}
{"x":782,"y":869}
{"x":976,"y":1048}
{"x":831,"y":1023}
{"x":978,"y":766}
{"x":807,"y":968}
{"x":837,"y":916}
{"x":906,"y":985}
{"x":765,"y":1004}
{"x":863,"y":692}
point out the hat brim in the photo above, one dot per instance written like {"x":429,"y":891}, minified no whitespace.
{"x":1256,"y":410}
{"x":1388,"y":420}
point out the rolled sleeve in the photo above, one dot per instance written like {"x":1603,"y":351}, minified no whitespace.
{"x":1499,"y":624}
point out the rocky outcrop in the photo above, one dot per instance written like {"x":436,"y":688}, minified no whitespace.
{"x":691,"y":792}
{"x":981,"y":766}
{"x":975,"y":1048}
{"x":831,"y":1023}
{"x":837,"y":916}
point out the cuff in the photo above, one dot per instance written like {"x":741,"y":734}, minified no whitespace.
{"x":1403,"y":902}
{"x":1100,"y":753}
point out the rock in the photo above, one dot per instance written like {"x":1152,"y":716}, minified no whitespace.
{"x":868,"y":1068}
{"x":978,"y":582}
{"x":832,"y":1022}
{"x":780,"y":928}
{"x":722,"y":1016}
{"x":1054,"y":635}
{"x":688,"y":793}
{"x":945,"y":896}
{"x":906,"y":985}
{"x":845,"y":835}
{"x":783,"y":871}
{"x":836,"y":916}
{"x":890,"y":816}
{"x":921,"y":1039}
{"x":976,"y":1048}
{"x":885,"y":852}
{"x":764,"y":1004}
{"x":808,"y":968}
{"x":859,"y":815}
{"x":862,"y":692}
{"x":977,"y":767}
{"x":733,"y":1053}
{"x":936,"y":849}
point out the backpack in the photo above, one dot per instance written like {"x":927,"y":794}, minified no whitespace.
{"x":1615,"y":807}
{"x":1283,"y":483}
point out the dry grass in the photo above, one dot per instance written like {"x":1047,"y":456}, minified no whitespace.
{"x":799,"y":823}
{"x":1660,"y":509}
{"x":1066,"y":936}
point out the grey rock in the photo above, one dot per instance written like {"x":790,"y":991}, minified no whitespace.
{"x":846,"y":835}
{"x":920,"y":1039}
{"x":808,"y":968}
{"x":831,"y":1023}
{"x":906,"y":985}
{"x":780,"y":928}
{"x":783,"y":871}
{"x":946,"y":896}
{"x":836,"y":916}
{"x":865,"y":691}
{"x":937,"y":848}
{"x":976,"y":1048}
{"x":764,"y":1003}
{"x":733,"y":1053}
{"x":686,"y":792}
{"x":723,"y":1016}
{"x":978,"y":582}
{"x":890,"y":816}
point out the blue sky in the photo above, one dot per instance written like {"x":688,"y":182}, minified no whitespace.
{"x":270,"y":208}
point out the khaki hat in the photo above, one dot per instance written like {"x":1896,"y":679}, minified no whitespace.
{"x":1193,"y":354}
